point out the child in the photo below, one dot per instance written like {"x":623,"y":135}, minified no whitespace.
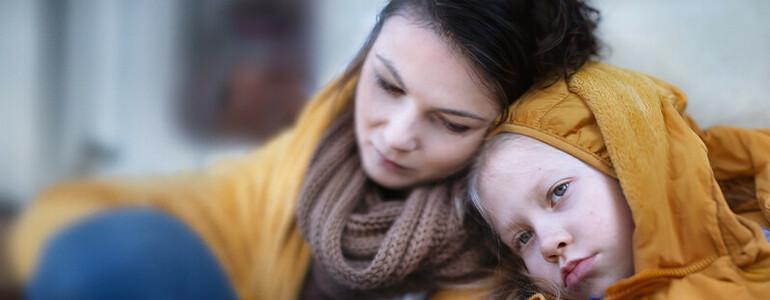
{"x":600,"y":186}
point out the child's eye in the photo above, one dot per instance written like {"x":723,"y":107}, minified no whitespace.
{"x":525,"y":237}
{"x":558,"y":192}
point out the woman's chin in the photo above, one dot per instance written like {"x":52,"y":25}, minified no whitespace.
{"x":386,"y":178}
{"x":387,"y":181}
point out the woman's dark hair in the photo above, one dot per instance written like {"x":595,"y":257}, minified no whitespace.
{"x":511,"y":43}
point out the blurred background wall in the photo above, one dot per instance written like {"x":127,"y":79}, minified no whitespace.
{"x":101,"y":87}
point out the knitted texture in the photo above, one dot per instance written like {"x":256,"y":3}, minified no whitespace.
{"x":368,"y":244}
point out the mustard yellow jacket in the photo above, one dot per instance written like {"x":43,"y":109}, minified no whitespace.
{"x":688,"y":244}
{"x":243,"y":209}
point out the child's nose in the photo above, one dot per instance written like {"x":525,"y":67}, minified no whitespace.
{"x":553,"y":244}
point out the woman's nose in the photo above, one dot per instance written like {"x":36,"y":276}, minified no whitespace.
{"x":553,"y":243}
{"x":400,"y":132}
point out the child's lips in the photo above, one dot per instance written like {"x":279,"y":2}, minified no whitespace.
{"x":574,"y":271}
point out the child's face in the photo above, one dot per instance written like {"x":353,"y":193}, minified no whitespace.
{"x":569,"y":222}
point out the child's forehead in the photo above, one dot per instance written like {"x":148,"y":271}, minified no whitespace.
{"x":508,"y":147}
{"x":523,"y":157}
{"x":527,"y":142}
{"x":517,"y":146}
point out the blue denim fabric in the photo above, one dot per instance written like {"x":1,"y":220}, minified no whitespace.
{"x":128,"y":254}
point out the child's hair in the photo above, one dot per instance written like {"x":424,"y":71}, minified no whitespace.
{"x":514,"y":281}
{"x":475,"y":172}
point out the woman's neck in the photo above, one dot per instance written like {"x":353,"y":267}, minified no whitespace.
{"x":393,"y":194}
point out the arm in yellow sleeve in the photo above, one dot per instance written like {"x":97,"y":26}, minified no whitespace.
{"x":736,"y":153}
{"x":237,"y":207}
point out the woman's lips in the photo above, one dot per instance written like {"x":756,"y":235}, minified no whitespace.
{"x":574,"y":271}
{"x":389,"y":164}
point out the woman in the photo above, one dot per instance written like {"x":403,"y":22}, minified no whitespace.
{"x":371,"y":215}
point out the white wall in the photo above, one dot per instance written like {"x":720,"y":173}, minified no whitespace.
{"x":120,"y":80}
{"x":342,"y":27}
{"x":110,"y":108}
{"x":717,"y":52}
{"x":20,"y":105}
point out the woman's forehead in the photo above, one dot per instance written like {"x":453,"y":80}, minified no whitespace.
{"x":430,"y":69}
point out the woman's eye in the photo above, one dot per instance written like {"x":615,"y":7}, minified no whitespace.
{"x":558,"y":192}
{"x":454,"y":127}
{"x":525,"y":237}
{"x":387,"y":87}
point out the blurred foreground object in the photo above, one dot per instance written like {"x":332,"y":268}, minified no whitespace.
{"x":8,"y":288}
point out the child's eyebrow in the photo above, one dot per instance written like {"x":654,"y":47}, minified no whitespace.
{"x":540,"y":187}
{"x":512,"y":225}
{"x":532,"y":196}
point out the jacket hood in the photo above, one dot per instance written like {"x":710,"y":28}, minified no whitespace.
{"x":631,"y":126}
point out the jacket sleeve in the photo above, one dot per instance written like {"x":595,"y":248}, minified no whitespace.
{"x":741,"y":158}
{"x":243,"y":209}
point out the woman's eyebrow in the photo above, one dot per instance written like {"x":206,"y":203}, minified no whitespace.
{"x":388,"y":64}
{"x":460,"y":113}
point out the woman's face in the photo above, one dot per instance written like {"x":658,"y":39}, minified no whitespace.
{"x":419,"y":113}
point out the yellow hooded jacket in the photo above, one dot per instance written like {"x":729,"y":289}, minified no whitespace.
{"x":243,"y":209}
{"x":688,"y":244}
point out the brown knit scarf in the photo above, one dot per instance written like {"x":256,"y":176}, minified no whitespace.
{"x":365,"y":245}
